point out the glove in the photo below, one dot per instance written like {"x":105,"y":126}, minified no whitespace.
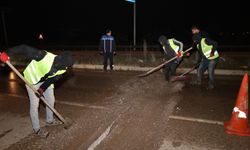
{"x":211,"y":54}
{"x":4,"y":57}
{"x":40,"y":91}
{"x":179,"y":54}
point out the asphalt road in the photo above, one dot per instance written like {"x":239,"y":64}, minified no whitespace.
{"x":116,"y":110}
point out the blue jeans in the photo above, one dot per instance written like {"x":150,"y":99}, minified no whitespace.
{"x":207,"y":65}
{"x":170,"y":69}
{"x":34,"y":105}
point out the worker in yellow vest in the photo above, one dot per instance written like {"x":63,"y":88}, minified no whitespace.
{"x":43,"y":70}
{"x":172,"y":48}
{"x":207,"y":50}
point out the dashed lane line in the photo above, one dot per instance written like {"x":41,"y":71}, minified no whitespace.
{"x":191,"y":119}
{"x":81,"y":105}
{"x":62,"y":102}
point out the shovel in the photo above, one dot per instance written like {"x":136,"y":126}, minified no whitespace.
{"x":183,"y":75}
{"x":161,"y":65}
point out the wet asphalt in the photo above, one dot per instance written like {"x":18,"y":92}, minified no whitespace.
{"x":95,"y":92}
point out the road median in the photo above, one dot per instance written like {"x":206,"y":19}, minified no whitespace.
{"x":138,"y":68}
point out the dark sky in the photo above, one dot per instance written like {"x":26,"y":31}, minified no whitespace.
{"x":83,"y":22}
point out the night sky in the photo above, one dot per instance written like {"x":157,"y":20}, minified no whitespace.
{"x":83,"y":22}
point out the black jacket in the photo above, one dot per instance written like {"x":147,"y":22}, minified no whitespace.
{"x":208,"y":42}
{"x":31,"y":53}
{"x":107,"y":44}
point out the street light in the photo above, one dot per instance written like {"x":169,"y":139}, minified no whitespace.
{"x":134,"y":2}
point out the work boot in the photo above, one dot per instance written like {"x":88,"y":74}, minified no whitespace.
{"x":112,"y":67}
{"x":42,"y":133}
{"x":54,"y":123}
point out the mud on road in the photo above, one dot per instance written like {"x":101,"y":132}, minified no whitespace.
{"x":110,"y":111}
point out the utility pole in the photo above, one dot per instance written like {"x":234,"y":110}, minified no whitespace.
{"x":134,"y":41}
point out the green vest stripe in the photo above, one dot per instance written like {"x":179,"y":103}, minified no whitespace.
{"x":207,"y":49}
{"x":36,"y":70}
{"x":32,"y":78}
{"x":58,"y":73}
{"x":173,"y":45}
{"x":33,"y":72}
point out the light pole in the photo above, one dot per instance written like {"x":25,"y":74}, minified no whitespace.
{"x":134,"y":2}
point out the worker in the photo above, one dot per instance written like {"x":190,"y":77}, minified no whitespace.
{"x":204,"y":34}
{"x":43,"y":70}
{"x":207,"y":50}
{"x":172,"y":48}
{"x":107,"y":47}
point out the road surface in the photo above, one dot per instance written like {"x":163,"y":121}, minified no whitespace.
{"x":116,"y":110}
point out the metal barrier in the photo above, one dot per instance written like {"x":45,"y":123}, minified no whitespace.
{"x":231,"y":48}
{"x":231,"y":56}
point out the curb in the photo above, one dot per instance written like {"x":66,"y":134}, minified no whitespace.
{"x":144,"y":69}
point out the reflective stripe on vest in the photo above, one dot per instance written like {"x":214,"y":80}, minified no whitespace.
{"x":207,"y":49}
{"x":34,"y":72}
{"x":57,"y":73}
{"x":173,"y":45}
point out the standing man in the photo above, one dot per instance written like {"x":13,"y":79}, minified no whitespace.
{"x":207,"y":50}
{"x":43,"y":70}
{"x":171,"y":48}
{"x":107,"y":48}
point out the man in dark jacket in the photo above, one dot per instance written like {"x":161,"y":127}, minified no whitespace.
{"x":208,"y":56}
{"x":107,"y":48}
{"x":43,"y":70}
{"x":171,"y":48}
{"x":203,"y":34}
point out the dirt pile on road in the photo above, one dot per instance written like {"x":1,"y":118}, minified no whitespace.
{"x":151,"y":86}
{"x":151,"y":101}
{"x":148,"y":103}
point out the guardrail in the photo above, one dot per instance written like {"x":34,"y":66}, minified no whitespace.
{"x":137,"y":48}
{"x":233,"y":57}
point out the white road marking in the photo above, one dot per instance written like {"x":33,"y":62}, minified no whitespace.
{"x":168,"y":145}
{"x":106,"y":132}
{"x":102,"y":137}
{"x":80,"y":105}
{"x":16,"y":95}
{"x":62,"y":102}
{"x":197,"y":120}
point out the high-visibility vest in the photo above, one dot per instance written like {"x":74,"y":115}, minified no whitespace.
{"x":36,"y":70}
{"x":173,"y":45}
{"x":207,"y":49}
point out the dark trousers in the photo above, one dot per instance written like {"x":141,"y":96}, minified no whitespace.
{"x":108,"y":57}
{"x":207,"y":65}
{"x":170,"y":69}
